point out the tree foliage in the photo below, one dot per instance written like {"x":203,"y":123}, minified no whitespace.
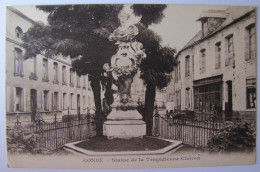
{"x":150,"y":13}
{"x":81,"y":32}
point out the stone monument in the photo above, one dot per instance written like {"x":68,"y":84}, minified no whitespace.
{"x":124,"y":121}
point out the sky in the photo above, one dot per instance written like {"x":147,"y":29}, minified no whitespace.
{"x":177,"y":27}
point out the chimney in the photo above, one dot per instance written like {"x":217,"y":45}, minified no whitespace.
{"x":211,"y":20}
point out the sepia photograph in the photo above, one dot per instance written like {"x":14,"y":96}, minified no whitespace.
{"x":130,"y":86}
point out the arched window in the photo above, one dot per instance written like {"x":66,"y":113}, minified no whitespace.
{"x":18,"y":32}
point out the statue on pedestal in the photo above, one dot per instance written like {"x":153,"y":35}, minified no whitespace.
{"x":124,"y":66}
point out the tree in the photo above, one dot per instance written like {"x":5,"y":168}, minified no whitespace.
{"x":81,"y":32}
{"x":155,"y":71}
{"x":156,"y":68}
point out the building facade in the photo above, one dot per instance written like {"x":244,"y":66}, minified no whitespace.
{"x":216,"y":70}
{"x":40,"y":84}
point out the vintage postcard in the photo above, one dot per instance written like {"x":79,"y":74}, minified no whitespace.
{"x":123,"y":86}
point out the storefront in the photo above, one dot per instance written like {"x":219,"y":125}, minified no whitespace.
{"x":208,"y":95}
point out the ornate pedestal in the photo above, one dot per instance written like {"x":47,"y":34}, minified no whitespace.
{"x":124,"y":124}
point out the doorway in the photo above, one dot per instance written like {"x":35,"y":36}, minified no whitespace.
{"x":33,"y":101}
{"x":229,"y":103}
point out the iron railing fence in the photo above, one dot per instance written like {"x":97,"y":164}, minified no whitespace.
{"x":189,"y":129}
{"x":53,"y":135}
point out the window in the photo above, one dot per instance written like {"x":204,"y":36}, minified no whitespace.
{"x":64,"y":104}
{"x":229,"y":51}
{"x":71,"y":78}
{"x":46,"y":100}
{"x":250,"y":41}
{"x":89,"y":102}
{"x":33,"y":74}
{"x":64,"y":75}
{"x":56,"y":101}
{"x":251,"y":93}
{"x":187,"y":66}
{"x":84,"y":82}
{"x":18,"y":99}
{"x":45,"y":70}
{"x":84,"y":102}
{"x":208,"y":95}
{"x":71,"y":100}
{"x":89,"y":86}
{"x":18,"y":32}
{"x":187,"y":98}
{"x":177,"y":72}
{"x":178,"y":99}
{"x":202,"y":61}
{"x":18,"y":62}
{"x":55,"y":68}
{"x":217,"y":55}
{"x":78,"y":81}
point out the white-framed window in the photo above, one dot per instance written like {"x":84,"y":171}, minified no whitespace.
{"x":78,"y":81}
{"x":187,"y":66}
{"x":19,"y":99}
{"x":202,"y":61}
{"x":230,"y":51}
{"x":250,"y":41}
{"x":84,"y":82}
{"x":56,"y":101}
{"x":187,"y":98}
{"x":84,"y":102}
{"x":56,"y":73}
{"x":33,"y":71}
{"x":71,"y":100}
{"x":177,"y":71}
{"x":18,"y":62}
{"x":64,"y":75}
{"x":251,"y":93}
{"x":71,"y":77}
{"x":64,"y":99}
{"x":45,"y":70}
{"x":46,"y":100}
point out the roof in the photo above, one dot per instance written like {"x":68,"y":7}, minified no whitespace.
{"x":212,"y":14}
{"x":233,"y":14}
{"x":20,"y":14}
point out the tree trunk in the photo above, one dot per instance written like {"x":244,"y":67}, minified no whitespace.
{"x":95,"y":85}
{"x":149,"y":107}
